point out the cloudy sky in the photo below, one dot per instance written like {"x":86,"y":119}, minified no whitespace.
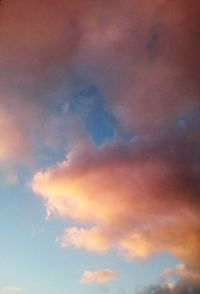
{"x":100,"y":146}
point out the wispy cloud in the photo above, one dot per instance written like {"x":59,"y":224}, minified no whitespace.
{"x":4,"y":289}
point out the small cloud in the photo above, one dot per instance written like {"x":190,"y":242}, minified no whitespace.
{"x":10,"y":289}
{"x":98,"y":277}
{"x":90,"y":239}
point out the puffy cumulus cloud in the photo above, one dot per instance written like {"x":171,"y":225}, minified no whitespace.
{"x":98,"y":277}
{"x":157,"y":239}
{"x":142,"y":197}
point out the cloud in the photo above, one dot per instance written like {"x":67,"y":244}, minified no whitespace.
{"x":179,"y":280}
{"x":147,"y":58}
{"x":38,"y":42}
{"x":141,"y":198}
{"x":91,"y":239}
{"x":10,"y":289}
{"x":142,"y":57}
{"x":182,"y":272}
{"x":186,"y":280}
{"x":181,"y":288}
{"x":98,"y":277}
{"x":14,"y":145}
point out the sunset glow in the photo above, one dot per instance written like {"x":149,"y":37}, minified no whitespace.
{"x":100,"y":146}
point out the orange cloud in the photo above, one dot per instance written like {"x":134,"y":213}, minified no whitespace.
{"x":141,"y":198}
{"x":92,"y":239}
{"x":98,"y":277}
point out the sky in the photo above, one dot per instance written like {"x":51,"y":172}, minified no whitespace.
{"x":100,"y":146}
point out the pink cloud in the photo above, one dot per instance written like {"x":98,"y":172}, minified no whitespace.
{"x":140,"y":198}
{"x":14,"y":144}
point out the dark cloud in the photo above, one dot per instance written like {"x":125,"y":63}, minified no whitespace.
{"x":180,"y":288}
{"x":143,"y":56}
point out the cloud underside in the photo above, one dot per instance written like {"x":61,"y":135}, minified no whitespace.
{"x":182,"y":273}
{"x":143,"y":57}
{"x":179,"y":288}
{"x":184,"y":280}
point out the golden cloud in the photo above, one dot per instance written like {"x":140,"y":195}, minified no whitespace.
{"x":98,"y":277}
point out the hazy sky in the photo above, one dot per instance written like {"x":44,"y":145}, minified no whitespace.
{"x":99,"y":146}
